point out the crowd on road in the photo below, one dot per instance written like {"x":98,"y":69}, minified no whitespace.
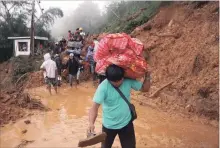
{"x":53,"y":66}
{"x":113,"y":92}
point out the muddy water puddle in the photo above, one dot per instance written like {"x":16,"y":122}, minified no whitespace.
{"x":67,"y":122}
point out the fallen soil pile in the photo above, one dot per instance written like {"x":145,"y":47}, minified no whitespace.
{"x":13,"y":99}
{"x":12,"y":103}
{"x":35,"y":79}
{"x":181,"y":43}
{"x":11,"y":113}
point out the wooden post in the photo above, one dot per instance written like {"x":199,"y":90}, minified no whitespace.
{"x":32,"y":28}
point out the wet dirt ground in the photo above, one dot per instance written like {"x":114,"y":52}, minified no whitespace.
{"x":67,"y":122}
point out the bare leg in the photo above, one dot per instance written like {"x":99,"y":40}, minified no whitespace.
{"x":76,"y":83}
{"x":93,"y":74}
{"x":77,"y":76}
{"x":70,"y":80}
{"x":55,"y":88}
{"x":76,"y":86}
{"x":49,"y":88}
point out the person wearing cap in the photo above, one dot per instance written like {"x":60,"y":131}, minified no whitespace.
{"x":73,"y":66}
{"x":82,"y":33}
{"x":50,"y":69}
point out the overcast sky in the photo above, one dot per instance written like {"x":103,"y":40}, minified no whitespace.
{"x":66,"y":5}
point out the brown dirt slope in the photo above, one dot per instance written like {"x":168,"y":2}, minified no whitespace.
{"x":13,"y":100}
{"x":182,"y":44}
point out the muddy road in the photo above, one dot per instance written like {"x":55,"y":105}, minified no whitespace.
{"x":67,"y":122}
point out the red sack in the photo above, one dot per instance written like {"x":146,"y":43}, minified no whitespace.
{"x":121,"y":50}
{"x":111,"y":43}
{"x":101,"y":66}
{"x":137,"y":46}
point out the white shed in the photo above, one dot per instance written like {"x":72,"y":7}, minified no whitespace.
{"x":22,"y":44}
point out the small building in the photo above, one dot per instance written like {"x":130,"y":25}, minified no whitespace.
{"x":21,"y":45}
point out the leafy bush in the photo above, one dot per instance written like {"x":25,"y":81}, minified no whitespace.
{"x":124,"y":9}
{"x":133,"y":24}
{"x":22,"y":65}
{"x":14,"y":22}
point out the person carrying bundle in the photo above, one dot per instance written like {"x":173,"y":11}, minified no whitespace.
{"x":118,"y":115}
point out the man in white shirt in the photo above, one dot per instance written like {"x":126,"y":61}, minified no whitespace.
{"x":50,"y":68}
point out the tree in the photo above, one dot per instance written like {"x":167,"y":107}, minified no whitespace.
{"x":13,"y":22}
{"x":46,"y":20}
{"x":14,"y":19}
{"x":12,"y":10}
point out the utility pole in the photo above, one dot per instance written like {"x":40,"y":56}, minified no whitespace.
{"x":32,"y":28}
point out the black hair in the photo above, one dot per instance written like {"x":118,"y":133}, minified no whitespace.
{"x":114,"y":73}
{"x":77,"y":29}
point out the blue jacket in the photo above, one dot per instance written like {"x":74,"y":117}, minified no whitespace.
{"x":89,"y":55}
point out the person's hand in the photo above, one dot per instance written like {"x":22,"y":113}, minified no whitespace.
{"x":149,"y":69}
{"x":91,"y":128}
{"x":147,"y":74}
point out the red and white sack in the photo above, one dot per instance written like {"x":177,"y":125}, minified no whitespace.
{"x":121,"y":50}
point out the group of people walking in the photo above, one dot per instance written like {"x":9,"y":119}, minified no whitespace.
{"x":113,"y":94}
{"x":74,"y":66}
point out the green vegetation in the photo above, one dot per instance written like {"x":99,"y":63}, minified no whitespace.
{"x":14,"y":20}
{"x":118,"y":13}
{"x":116,"y":18}
{"x":22,"y":65}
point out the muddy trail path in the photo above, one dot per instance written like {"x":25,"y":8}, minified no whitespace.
{"x":67,"y":122}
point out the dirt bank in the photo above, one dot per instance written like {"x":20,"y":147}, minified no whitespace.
{"x":182,"y":44}
{"x":14,"y":100}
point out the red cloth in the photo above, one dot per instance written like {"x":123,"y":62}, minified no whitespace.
{"x":121,"y":50}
